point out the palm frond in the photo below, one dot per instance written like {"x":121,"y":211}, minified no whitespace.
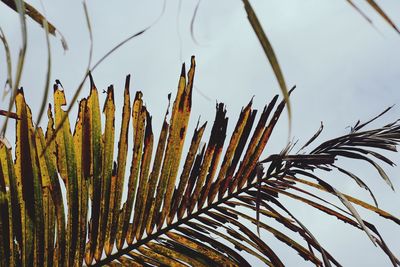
{"x":199,"y":216}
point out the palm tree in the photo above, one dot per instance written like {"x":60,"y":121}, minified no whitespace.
{"x":214,"y":205}
{"x":196,"y":216}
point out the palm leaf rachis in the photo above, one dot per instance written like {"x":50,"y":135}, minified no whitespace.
{"x":179,"y":210}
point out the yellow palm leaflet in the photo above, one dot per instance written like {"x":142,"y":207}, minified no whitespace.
{"x":107,"y":166}
{"x":51,"y":167}
{"x":177,"y":132}
{"x":66,"y":163}
{"x":48,"y":205}
{"x":138,"y":121}
{"x":95,"y":163}
{"x":140,"y":208}
{"x":154,"y":177}
{"x":120,"y":172}
{"x":81,"y":148}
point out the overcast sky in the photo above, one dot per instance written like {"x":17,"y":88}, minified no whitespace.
{"x":344,"y":70}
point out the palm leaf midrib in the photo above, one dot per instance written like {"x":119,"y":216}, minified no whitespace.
{"x":176,"y":224}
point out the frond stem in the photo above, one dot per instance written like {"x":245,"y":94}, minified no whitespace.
{"x":173,"y":225}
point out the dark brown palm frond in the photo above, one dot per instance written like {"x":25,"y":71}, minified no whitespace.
{"x":202,"y":215}
{"x":355,"y":145}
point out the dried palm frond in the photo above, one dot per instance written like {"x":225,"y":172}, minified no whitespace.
{"x":199,"y":215}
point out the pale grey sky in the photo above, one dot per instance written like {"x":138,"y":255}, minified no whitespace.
{"x":344,"y":70}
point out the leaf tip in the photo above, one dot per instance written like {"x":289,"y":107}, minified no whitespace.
{"x":127,"y":82}
{"x":92,"y":85}
{"x":193,"y":61}
{"x":183,"y":70}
